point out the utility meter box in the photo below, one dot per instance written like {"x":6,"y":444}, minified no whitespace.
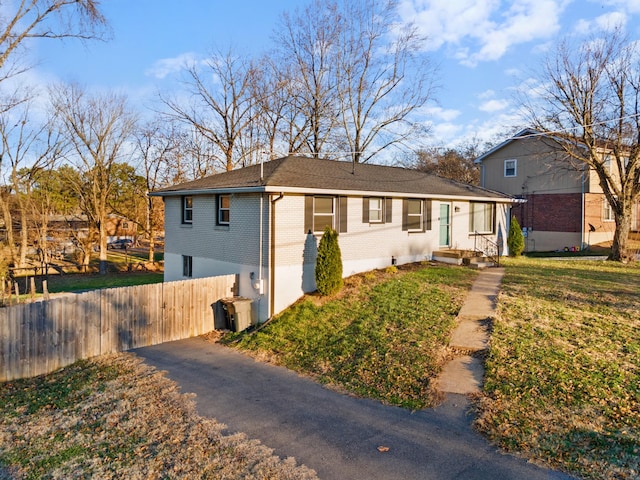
{"x":238,"y":312}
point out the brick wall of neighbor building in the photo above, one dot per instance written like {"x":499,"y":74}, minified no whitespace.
{"x":550,"y":212}
{"x":594,"y":215}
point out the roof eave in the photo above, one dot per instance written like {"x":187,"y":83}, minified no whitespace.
{"x":324,"y":191}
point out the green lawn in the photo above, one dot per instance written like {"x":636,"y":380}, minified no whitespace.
{"x":77,"y":281}
{"x":563,"y":373}
{"x":383,"y":338}
{"x":562,"y":384}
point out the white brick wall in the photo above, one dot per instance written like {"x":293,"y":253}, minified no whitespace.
{"x":234,"y":249}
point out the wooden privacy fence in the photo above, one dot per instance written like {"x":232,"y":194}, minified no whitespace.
{"x":40,"y":337}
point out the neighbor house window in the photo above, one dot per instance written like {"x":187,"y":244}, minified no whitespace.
{"x":224,"y":209}
{"x":510,"y":168}
{"x":416,"y":215}
{"x":187,"y":209}
{"x":187,"y":266}
{"x":481,"y":217}
{"x":607,"y":212}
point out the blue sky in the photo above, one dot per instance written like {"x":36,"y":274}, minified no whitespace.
{"x":485,"y":49}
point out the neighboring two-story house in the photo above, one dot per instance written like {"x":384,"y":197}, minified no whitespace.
{"x":565,"y":207}
{"x":264,"y":223}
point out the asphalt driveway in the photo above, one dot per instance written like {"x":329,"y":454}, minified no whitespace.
{"x":336,"y":435}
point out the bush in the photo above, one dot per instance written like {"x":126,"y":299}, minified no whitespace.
{"x":329,"y":264}
{"x":515,"y":239}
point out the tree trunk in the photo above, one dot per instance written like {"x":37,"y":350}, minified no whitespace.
{"x":619,"y":248}
{"x":8,"y":222}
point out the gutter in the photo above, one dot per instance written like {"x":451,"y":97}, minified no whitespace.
{"x":272,"y":255}
{"x":499,"y":198}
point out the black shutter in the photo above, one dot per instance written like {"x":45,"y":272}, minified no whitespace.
{"x":388,"y":207}
{"x":308,"y":214}
{"x":427,"y":215}
{"x":342,"y":214}
{"x":365,"y":209}
{"x":405,"y":214}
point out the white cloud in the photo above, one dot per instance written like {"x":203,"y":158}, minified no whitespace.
{"x":487,"y":94}
{"x":475,"y":31}
{"x":611,"y":20}
{"x":442,"y":113}
{"x":491,"y":106}
{"x":167,"y":66}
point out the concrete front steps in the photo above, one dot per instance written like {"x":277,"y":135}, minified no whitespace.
{"x":463,"y":257}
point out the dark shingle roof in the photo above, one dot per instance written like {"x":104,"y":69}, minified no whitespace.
{"x":317,"y":174}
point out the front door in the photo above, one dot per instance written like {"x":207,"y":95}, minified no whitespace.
{"x":445,"y":224}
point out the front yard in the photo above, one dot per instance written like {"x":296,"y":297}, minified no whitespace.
{"x":562,"y":382}
{"x":562,"y":378}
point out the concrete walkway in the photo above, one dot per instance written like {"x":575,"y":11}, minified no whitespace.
{"x":347,"y":438}
{"x":464,"y":373}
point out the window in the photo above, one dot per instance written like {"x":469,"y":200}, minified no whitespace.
{"x":416,"y":215}
{"x":187,"y":209}
{"x":510,"y":168}
{"x":322,"y":211}
{"x":375,"y":210}
{"x":187,"y":266}
{"x":481,"y":217}
{"x":607,"y":213}
{"x":224,"y":209}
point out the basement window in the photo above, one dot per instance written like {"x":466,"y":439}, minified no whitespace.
{"x":187,"y":266}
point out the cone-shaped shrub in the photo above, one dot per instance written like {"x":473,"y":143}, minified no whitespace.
{"x":515,"y":239}
{"x":329,"y":263}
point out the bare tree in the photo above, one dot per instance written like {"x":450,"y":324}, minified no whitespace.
{"x":382,"y":77}
{"x":25,"y":19}
{"x":28,"y":148}
{"x":158,"y":145}
{"x":451,"y":163}
{"x":221,"y":107}
{"x":590,"y":102}
{"x":307,"y":45}
{"x":97,"y":127}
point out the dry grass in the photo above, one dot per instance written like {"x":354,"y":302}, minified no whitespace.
{"x":562,"y":381}
{"x":114,"y":417}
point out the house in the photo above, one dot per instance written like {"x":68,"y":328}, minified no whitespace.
{"x":71,"y":226}
{"x":264,"y":223}
{"x":564,"y":205}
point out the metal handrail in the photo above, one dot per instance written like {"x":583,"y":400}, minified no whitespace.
{"x":488,"y":248}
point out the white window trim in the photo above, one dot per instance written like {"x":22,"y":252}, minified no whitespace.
{"x":332,"y":214}
{"x":472,"y":226}
{"x":221,"y":210}
{"x":607,"y":211}
{"x":185,"y":209}
{"x":420,"y":215}
{"x":515,"y":167}
{"x":379,"y":210}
